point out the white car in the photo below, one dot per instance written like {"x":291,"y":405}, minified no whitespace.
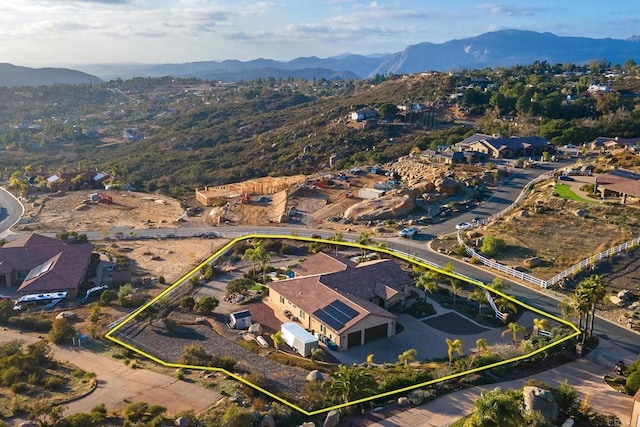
{"x":463,"y":226}
{"x":408,"y":232}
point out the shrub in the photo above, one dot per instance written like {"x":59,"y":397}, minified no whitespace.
{"x":633,"y":383}
{"x":54,"y":383}
{"x":19,"y":387}
{"x":491,"y":246}
{"x":61,"y":331}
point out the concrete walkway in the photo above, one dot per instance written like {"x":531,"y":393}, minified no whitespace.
{"x":585,"y":374}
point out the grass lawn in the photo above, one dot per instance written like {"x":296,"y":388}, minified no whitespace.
{"x":565,"y":191}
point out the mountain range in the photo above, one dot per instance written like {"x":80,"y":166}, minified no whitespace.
{"x":494,"y":49}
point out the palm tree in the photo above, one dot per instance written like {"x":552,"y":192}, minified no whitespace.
{"x":582,"y":305}
{"x":350,"y":383}
{"x":370,"y":359}
{"x":262,"y":256}
{"x":515,"y":330}
{"x":250,"y":255}
{"x":277,"y":340}
{"x":456,"y":286}
{"x":453,"y":346}
{"x":364,"y":239}
{"x":337,"y":237}
{"x":498,"y":284}
{"x":483,"y":345}
{"x":540,"y":324}
{"x":505,"y":304}
{"x":427,"y":282}
{"x":595,"y":290}
{"x":408,"y":357}
{"x":495,"y":408}
{"x":478,"y":294}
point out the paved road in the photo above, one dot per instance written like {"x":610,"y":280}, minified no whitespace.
{"x":10,"y":212}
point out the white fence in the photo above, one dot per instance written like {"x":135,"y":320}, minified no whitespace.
{"x":569,"y":272}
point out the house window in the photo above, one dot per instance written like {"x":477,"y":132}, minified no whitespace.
{"x":302,"y":314}
{"x":281,"y":299}
{"x":323,"y":329}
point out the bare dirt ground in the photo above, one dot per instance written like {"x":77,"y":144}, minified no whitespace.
{"x":53,"y":212}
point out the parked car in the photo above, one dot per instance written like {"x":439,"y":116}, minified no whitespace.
{"x":408,"y":232}
{"x":565,"y":178}
{"x":463,"y":225}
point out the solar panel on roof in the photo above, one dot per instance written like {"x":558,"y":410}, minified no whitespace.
{"x":348,"y":311}
{"x":328,"y":320}
{"x":40,"y":269}
{"x":336,"y":314}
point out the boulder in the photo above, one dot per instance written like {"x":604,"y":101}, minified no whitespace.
{"x":624,"y":294}
{"x":308,"y":424}
{"x":181,"y":422}
{"x":403,"y":401}
{"x":255,"y":328}
{"x":315,"y":375}
{"x":532,"y":262}
{"x":387,"y":207}
{"x":332,"y":419}
{"x":538,"y":399}
{"x":615,"y":300}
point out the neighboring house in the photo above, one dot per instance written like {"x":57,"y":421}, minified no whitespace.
{"x":40,"y":264}
{"x":619,"y":183}
{"x":597,"y":88}
{"x":70,"y":181}
{"x":342,"y":300}
{"x":362,"y":115}
{"x":604,"y":143}
{"x":504,"y":148}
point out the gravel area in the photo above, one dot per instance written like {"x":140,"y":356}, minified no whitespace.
{"x":169,"y":347}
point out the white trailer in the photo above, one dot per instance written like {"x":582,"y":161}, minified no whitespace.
{"x":298,"y":339}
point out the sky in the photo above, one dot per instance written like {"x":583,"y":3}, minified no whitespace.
{"x":68,"y":32}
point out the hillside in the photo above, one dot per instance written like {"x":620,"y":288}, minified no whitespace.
{"x":12,"y":76}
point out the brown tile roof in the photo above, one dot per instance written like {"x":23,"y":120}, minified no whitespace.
{"x":617,"y":175}
{"x":630,"y":188}
{"x":309,"y":294}
{"x":383,"y":278}
{"x":68,"y":262}
{"x":322,"y":263}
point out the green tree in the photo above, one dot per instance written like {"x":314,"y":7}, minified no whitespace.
{"x":595,"y":291}
{"x":478,"y":295}
{"x":495,"y":408}
{"x":124,"y":291}
{"x":453,"y":346}
{"x":541,"y":324}
{"x":206,"y":304}
{"x":236,"y":416}
{"x":239,"y":285}
{"x":337,"y":237}
{"x":6,"y":311}
{"x":317,"y":354}
{"x":349,"y":383}
{"x":633,"y":383}
{"x":407,"y":357}
{"x":492,"y":246}
{"x":187,"y":302}
{"x":62,"y":331}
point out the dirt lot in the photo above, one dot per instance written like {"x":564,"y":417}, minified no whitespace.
{"x":53,"y":212}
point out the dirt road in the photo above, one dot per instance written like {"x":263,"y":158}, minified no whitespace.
{"x":118,"y":385}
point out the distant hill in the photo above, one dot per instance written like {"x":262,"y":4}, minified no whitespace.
{"x":494,"y":49}
{"x":12,"y":75}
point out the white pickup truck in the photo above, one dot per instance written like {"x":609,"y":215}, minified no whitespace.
{"x":408,"y":232}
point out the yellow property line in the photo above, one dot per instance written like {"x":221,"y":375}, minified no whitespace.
{"x":229,"y":245}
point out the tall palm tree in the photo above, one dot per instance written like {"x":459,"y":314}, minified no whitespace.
{"x":262,"y":256}
{"x":595,"y":291}
{"x":453,"y":346}
{"x":582,"y":305}
{"x":427,"y":282}
{"x":478,"y":295}
{"x":364,"y":239}
{"x":514,"y":329}
{"x":495,"y":408}
{"x":337,"y":237}
{"x":482,"y":344}
{"x":349,"y":383}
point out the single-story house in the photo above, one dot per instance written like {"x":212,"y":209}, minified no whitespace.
{"x":501,"y":148}
{"x":621,"y":183}
{"x":40,"y":264}
{"x":343,"y":300}
{"x":362,"y":115}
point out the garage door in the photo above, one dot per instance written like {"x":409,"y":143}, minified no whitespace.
{"x":376,"y":332}
{"x":354,"y":339}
